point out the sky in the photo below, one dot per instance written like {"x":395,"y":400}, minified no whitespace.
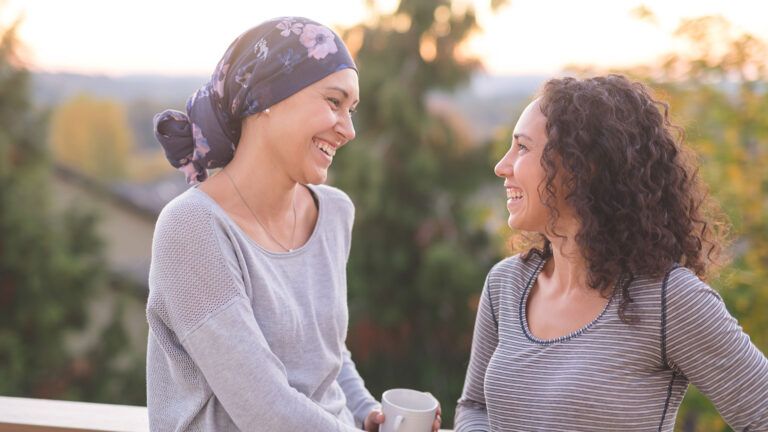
{"x":183,"y":37}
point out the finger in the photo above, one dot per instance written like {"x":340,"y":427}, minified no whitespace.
{"x":372,"y":422}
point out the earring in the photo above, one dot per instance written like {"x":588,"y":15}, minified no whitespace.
{"x":266,"y":111}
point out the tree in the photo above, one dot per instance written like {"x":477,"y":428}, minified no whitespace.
{"x":419,"y":254}
{"x":717,"y":88}
{"x":51,"y":264}
{"x":93,"y":136}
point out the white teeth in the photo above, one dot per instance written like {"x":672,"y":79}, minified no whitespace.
{"x":514,"y":195}
{"x":326,"y":148}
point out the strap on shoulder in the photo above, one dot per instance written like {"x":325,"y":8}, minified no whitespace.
{"x":664,"y":359}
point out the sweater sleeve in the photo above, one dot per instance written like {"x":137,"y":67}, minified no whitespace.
{"x":708,"y":346}
{"x":197,"y":290}
{"x":471,"y":413}
{"x":359,"y":400}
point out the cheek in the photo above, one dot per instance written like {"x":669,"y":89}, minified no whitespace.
{"x":530,"y":176}
{"x":319,"y":119}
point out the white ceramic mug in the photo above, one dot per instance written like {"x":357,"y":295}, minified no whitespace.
{"x":407,"y":410}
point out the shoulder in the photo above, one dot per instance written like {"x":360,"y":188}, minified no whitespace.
{"x":333,"y":197}
{"x":191,"y":219}
{"x":336,"y":204}
{"x":684,"y":289}
{"x":190,"y":206}
{"x":513,"y":270}
{"x":509,"y":278}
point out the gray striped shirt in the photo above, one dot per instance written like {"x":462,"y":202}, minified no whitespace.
{"x":609,"y":375}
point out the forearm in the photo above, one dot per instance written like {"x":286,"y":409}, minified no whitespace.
{"x":249,"y":381}
{"x":471,"y":417}
{"x":359,"y":400}
{"x":471,"y":412}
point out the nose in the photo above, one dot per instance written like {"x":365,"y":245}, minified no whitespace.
{"x":504,"y":167}
{"x":344,"y":127}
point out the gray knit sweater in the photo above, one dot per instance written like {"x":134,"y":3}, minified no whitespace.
{"x":246,"y":339}
{"x":609,"y":375}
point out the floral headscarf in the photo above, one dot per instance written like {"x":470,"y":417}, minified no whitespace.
{"x":263,"y":66}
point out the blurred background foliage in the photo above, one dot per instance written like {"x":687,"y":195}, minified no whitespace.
{"x":430,"y":213}
{"x":51,"y":264}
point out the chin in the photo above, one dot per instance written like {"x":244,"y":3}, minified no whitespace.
{"x":511,"y":223}
{"x":317,"y":178}
{"x":517,"y":225}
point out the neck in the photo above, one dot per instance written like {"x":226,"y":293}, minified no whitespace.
{"x":567,"y":269}
{"x":270,"y":193}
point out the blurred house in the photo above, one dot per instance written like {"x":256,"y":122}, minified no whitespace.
{"x":127,"y":214}
{"x":126,"y":220}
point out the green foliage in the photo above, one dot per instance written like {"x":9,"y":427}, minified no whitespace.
{"x":51,"y":262}
{"x":419,"y":254}
{"x":717,"y":88}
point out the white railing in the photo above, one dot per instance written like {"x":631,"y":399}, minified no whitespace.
{"x":42,"y":415}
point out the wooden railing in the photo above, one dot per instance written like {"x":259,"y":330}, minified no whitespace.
{"x":41,"y":415}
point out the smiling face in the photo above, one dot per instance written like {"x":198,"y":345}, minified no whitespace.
{"x":308,"y":128}
{"x":522,"y":171}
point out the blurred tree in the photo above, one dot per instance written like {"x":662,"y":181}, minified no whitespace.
{"x":146,"y":161}
{"x":717,"y":88}
{"x":420,"y":254}
{"x":51,"y":264}
{"x":93,"y":136}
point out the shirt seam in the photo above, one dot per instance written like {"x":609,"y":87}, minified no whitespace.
{"x":211,"y":316}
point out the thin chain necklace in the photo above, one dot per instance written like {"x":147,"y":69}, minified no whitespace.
{"x":293,"y":202}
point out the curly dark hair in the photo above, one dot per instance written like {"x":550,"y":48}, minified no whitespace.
{"x":632,"y":183}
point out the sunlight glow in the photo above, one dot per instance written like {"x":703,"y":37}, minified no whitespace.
{"x":525,"y":36}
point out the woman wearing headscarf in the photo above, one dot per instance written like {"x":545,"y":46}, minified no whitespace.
{"x":247,"y":305}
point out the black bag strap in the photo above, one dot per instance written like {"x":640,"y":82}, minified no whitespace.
{"x":664,"y":359}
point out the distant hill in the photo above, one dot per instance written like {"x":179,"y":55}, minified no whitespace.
{"x":487,"y":102}
{"x":49,"y":89}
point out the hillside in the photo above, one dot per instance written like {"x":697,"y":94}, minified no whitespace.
{"x":486,"y":103}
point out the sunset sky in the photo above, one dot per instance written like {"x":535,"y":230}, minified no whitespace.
{"x":185,"y":37}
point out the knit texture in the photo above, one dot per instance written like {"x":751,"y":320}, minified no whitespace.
{"x":242,"y":338}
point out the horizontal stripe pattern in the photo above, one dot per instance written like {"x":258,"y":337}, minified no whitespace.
{"x":609,"y":375}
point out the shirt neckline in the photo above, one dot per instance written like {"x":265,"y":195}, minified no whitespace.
{"x":299,"y":250}
{"x":523,"y":312}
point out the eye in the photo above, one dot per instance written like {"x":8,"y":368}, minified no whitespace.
{"x":521,"y":148}
{"x":352,"y":110}
{"x":335,"y":102}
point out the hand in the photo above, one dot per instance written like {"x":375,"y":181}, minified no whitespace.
{"x":438,"y":419}
{"x":375,"y":418}
{"x":372,"y":422}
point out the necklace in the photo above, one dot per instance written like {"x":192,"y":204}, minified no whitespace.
{"x":258,"y":221}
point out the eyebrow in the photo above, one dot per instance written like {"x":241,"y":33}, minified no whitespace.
{"x":517,"y":136}
{"x":341,"y":90}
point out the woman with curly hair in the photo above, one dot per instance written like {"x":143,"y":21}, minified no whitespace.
{"x":604,"y":323}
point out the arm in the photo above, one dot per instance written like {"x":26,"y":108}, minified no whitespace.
{"x":359,"y":400}
{"x":709,"y":347}
{"x":197,"y":287}
{"x":471,"y":413}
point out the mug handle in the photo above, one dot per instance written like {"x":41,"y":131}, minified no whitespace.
{"x":398,"y":422}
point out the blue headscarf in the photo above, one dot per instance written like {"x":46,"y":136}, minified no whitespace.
{"x":263,"y":66}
